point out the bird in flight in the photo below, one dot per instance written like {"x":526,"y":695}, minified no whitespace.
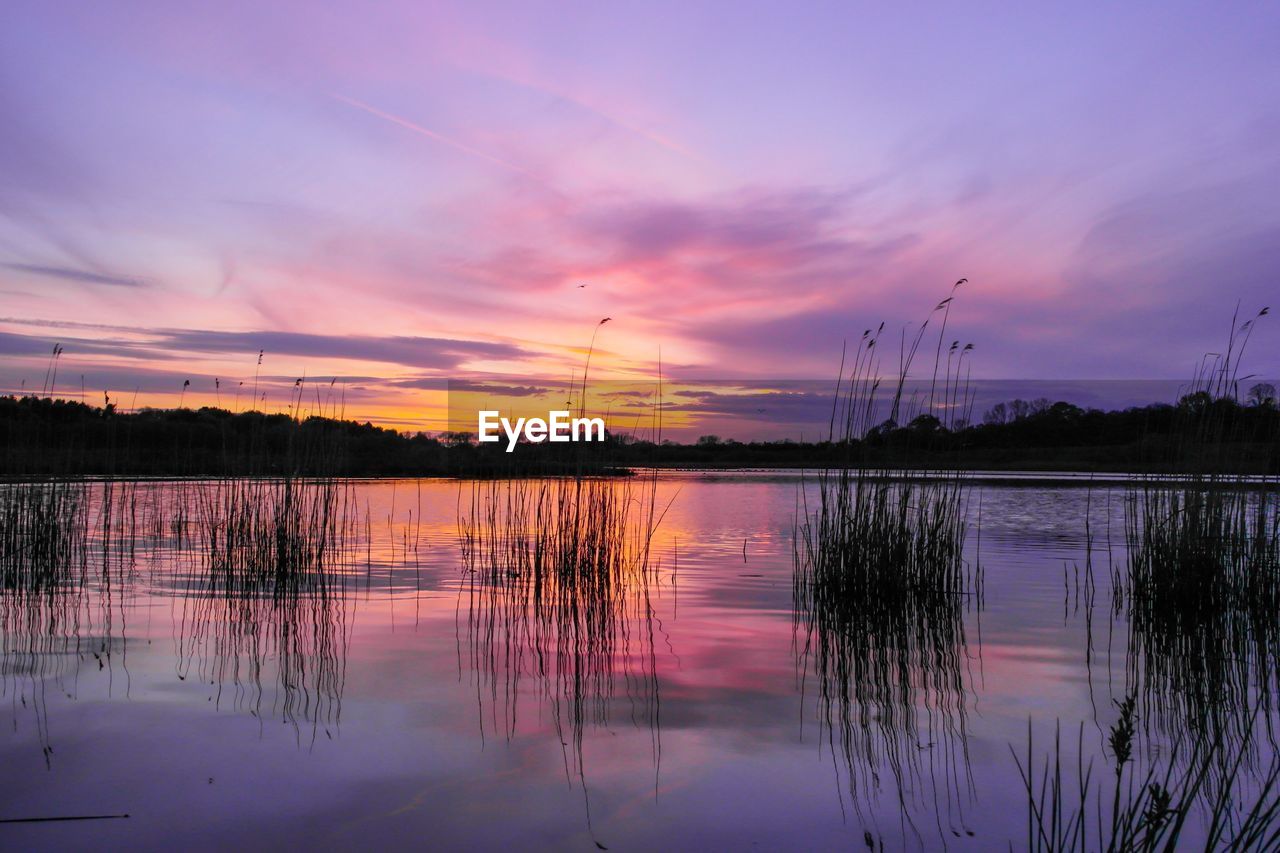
{"x":581,"y":286}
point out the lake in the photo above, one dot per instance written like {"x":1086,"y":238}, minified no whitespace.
{"x":411,"y":699}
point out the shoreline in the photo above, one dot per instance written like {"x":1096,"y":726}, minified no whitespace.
{"x":1012,"y":477}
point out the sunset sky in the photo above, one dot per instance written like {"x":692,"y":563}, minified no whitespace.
{"x":400,"y":193}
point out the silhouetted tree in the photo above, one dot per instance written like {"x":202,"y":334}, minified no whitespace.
{"x":1262,"y":394}
{"x":925,"y":425}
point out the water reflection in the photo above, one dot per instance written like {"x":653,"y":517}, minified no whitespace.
{"x":265,"y":613}
{"x":558,"y":582}
{"x":1200,"y":595}
{"x":881,"y":591}
{"x":539,"y":630}
{"x":49,"y":623}
{"x":40,"y":645}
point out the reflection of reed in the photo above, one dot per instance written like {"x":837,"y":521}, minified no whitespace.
{"x":43,"y":565}
{"x":880,"y":598}
{"x":1201,"y":593}
{"x":1200,"y":587}
{"x":881,"y":588}
{"x":558,"y":589}
{"x":270,"y":531}
{"x":39,"y":643}
{"x":267,"y":610}
{"x":43,"y":535}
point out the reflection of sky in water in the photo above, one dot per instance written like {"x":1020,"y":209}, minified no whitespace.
{"x":741,"y":760}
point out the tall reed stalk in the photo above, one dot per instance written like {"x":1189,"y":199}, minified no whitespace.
{"x":45,"y":556}
{"x":559,"y":574}
{"x":881,"y":588}
{"x":1200,"y":587}
{"x":1173,"y":805}
{"x":266,"y":611}
{"x":43,"y":534}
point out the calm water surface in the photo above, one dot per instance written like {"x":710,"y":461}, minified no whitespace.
{"x":408,"y":707}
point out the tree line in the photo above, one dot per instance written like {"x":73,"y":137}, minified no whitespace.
{"x":54,"y":437}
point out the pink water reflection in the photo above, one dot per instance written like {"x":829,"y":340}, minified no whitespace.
{"x":702,"y":729}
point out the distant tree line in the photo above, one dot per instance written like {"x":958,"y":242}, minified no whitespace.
{"x":1038,"y":435}
{"x":51,"y":437}
{"x":48,"y":437}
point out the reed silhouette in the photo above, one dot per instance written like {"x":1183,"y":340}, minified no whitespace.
{"x":1172,"y":805}
{"x":881,"y":589}
{"x":43,"y":535}
{"x":264,"y":607}
{"x":65,"y":553}
{"x":559,"y":579}
{"x":1200,"y":587}
{"x":1200,"y":592}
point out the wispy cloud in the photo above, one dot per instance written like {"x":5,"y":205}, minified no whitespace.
{"x":419,"y":352}
{"x":423,"y":353}
{"x":75,"y":275}
{"x":434,"y":135}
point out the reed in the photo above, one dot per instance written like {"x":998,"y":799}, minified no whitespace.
{"x":43,"y":534}
{"x":559,"y":577}
{"x":1201,"y":594}
{"x":881,"y":589}
{"x":275,"y":532}
{"x":50,"y":623}
{"x":265,"y":606}
{"x":260,"y":566}
{"x":1173,"y":805}
{"x":1200,"y":588}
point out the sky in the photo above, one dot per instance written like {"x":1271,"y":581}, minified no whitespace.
{"x":382,"y":197}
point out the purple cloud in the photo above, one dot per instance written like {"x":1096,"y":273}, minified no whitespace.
{"x":74,"y":275}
